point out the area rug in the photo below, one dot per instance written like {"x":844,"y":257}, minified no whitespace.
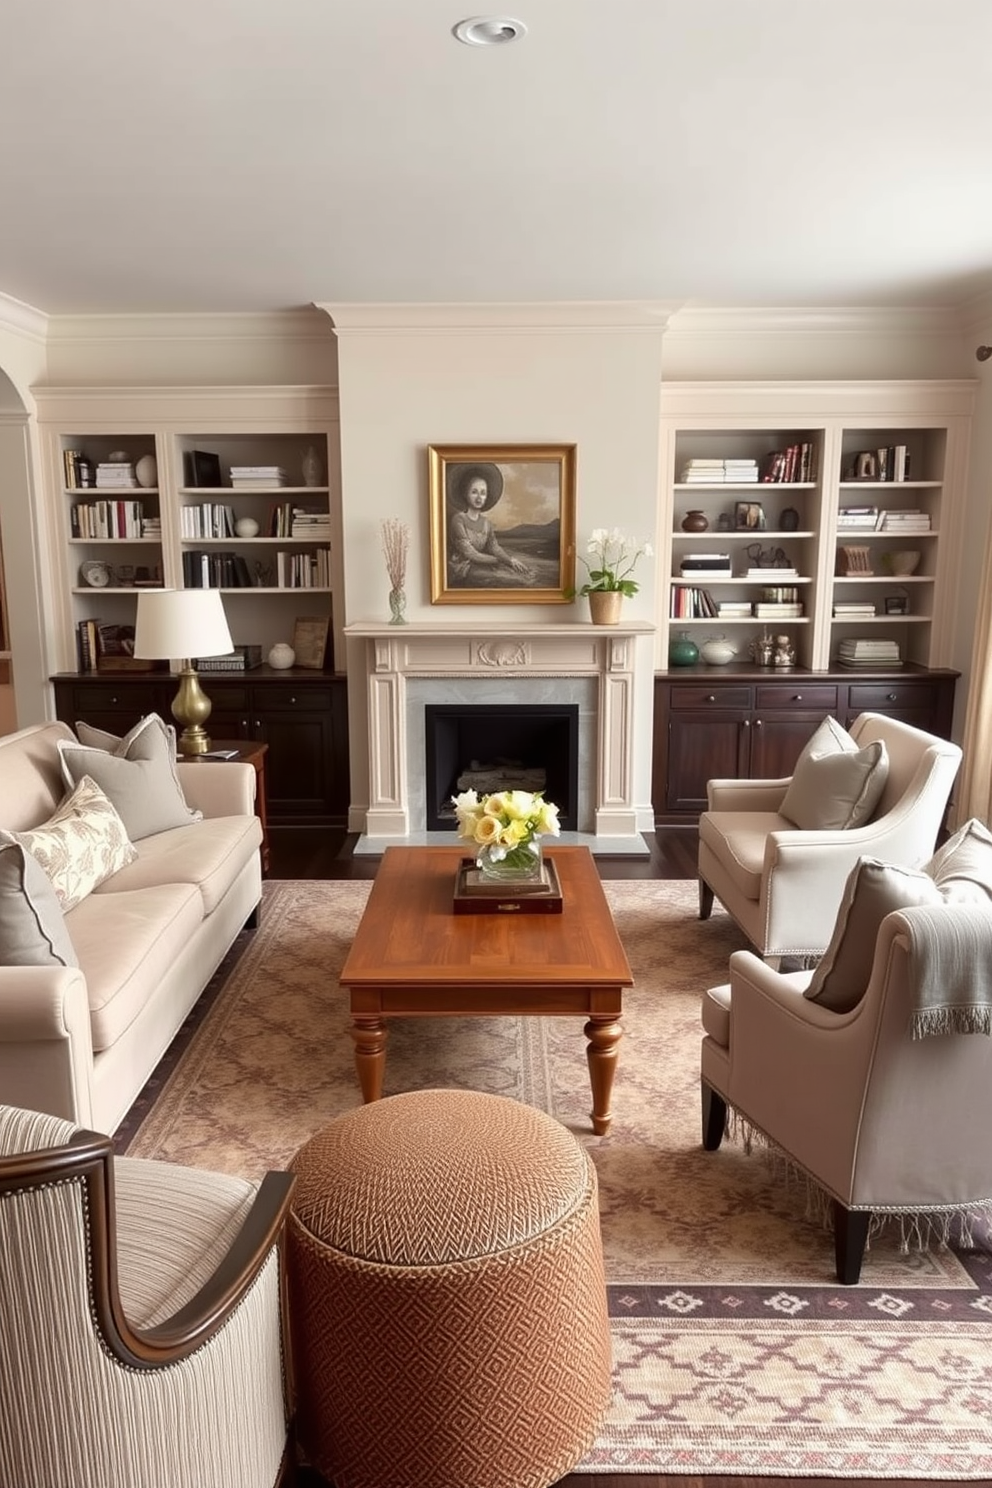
{"x":735,"y":1352}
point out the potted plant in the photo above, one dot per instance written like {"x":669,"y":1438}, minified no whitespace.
{"x":613,"y":561}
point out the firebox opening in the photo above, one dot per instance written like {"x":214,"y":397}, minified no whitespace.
{"x":515,"y":746}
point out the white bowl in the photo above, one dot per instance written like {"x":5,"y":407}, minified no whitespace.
{"x":902,"y":563}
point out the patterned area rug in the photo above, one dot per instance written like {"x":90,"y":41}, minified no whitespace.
{"x":734,"y":1350}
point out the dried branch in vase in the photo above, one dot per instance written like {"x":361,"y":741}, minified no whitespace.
{"x":395,"y":543}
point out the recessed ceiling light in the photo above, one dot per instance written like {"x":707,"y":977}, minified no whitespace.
{"x":489,"y":30}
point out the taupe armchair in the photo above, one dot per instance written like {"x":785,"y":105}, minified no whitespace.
{"x":879,"y":1120}
{"x":140,"y":1318}
{"x":783,"y":884}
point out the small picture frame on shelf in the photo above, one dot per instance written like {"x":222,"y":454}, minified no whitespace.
{"x":897,"y":604}
{"x":749,"y":516}
{"x":311,"y":642}
{"x":201,"y":468}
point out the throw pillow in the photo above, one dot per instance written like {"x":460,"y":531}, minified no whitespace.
{"x":32,"y":929}
{"x":872,"y":891}
{"x":835,"y":785}
{"x":138,"y":775}
{"x":962,"y":868}
{"x":81,"y":844}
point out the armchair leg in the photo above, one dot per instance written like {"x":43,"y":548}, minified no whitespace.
{"x":850,"y":1239}
{"x":714,"y":1116}
{"x":705,"y":900}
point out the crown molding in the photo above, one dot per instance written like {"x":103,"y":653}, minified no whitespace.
{"x":25,"y":320}
{"x":793,"y":320}
{"x":564,"y":316}
{"x":276,"y":325}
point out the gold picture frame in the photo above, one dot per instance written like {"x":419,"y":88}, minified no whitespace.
{"x":525,"y":552}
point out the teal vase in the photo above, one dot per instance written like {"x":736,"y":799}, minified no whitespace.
{"x":682,"y":651}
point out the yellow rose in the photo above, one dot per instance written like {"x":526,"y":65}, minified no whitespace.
{"x":487,"y":829}
{"x":494,"y":805}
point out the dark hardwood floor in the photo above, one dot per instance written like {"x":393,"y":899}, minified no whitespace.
{"x":319,"y":852}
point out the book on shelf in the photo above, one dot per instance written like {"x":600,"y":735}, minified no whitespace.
{"x":777,"y":573}
{"x":777,"y":611}
{"x":241,"y":659}
{"x":271,"y":471}
{"x":690,"y":602}
{"x":789,"y":466}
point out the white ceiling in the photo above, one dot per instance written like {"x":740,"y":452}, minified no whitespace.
{"x":220,"y":156}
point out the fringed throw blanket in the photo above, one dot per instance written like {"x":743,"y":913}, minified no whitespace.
{"x":950,"y":968}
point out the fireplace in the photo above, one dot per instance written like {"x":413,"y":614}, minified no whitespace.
{"x":501,"y":747}
{"x":604,"y":672}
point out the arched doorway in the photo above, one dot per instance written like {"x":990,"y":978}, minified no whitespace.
{"x":25,"y":697}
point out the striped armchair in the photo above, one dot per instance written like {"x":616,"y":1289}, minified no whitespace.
{"x":140,"y":1318}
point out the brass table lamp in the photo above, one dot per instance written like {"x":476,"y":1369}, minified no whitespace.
{"x":180,"y":624}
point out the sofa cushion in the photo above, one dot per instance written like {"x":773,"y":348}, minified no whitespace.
{"x":83,"y":843}
{"x":873,"y":890}
{"x":962,"y":868}
{"x":209,"y":855}
{"x":835,"y":785}
{"x":138,"y":775}
{"x":738,"y":839}
{"x":32,"y":926}
{"x":126,"y":944}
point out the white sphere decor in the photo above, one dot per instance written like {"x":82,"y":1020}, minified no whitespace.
{"x":281,"y":656}
{"x":146,"y":472}
{"x":246,"y":527}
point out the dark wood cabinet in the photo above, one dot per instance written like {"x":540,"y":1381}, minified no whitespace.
{"x":744,"y":723}
{"x":301,"y":715}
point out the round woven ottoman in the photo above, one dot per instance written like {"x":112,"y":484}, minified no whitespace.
{"x":447,"y":1295}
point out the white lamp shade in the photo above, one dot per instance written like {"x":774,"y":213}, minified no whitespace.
{"x":180,"y":623}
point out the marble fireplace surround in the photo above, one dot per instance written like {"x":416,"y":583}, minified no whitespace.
{"x":408,"y":666}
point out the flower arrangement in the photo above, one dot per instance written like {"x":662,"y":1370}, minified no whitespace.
{"x":615,"y":557}
{"x":506,"y":823}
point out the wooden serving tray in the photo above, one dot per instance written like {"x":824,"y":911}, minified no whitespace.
{"x":476,"y":895}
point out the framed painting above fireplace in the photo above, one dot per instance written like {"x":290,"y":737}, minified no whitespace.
{"x":502,"y":523}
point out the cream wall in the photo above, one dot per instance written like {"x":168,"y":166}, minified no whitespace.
{"x":411,"y":376}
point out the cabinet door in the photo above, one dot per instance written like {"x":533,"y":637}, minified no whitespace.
{"x":230,"y":711}
{"x":777,"y":740}
{"x":297,"y":725}
{"x":702,"y":747}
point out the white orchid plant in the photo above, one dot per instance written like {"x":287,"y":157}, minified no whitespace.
{"x":615,"y":555}
{"x":507,"y":823}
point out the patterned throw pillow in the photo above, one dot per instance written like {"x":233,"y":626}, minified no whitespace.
{"x":137,"y":773}
{"x":835,"y":785}
{"x":81,"y":844}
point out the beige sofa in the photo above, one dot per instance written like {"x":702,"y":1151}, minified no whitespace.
{"x":80,"y":1042}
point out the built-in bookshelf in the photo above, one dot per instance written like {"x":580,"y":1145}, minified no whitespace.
{"x":790,"y":509}
{"x":231,"y":488}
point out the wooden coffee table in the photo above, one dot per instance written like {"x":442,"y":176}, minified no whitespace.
{"x":413,"y":957}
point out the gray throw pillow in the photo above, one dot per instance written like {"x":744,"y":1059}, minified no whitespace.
{"x":32,"y":927}
{"x":873,"y":890}
{"x":835,"y":785}
{"x":962,"y":868}
{"x":138,"y":775}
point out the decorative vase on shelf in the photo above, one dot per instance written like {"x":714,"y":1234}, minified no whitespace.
{"x":510,"y":865}
{"x":695,"y":521}
{"x":246,"y":527}
{"x":605,"y":606}
{"x":281,"y":656}
{"x":682,"y":651}
{"x":313,"y":470}
{"x":789,"y":520}
{"x":146,"y":472}
{"x":397,"y":606}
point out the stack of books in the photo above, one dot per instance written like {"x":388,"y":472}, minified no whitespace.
{"x":734,"y":609}
{"x":115,"y":475}
{"x":311,"y":524}
{"x":880,"y":654}
{"x":794,"y":464}
{"x":241,"y":659}
{"x":257,"y":477}
{"x":712,"y":472}
{"x":855,"y":609}
{"x":857,"y":519}
{"x":778,"y":609}
{"x":909,"y":520}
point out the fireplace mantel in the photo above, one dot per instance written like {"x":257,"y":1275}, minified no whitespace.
{"x":496,"y":651}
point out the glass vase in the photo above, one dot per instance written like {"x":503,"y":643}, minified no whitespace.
{"x":397,"y":606}
{"x":519,"y":864}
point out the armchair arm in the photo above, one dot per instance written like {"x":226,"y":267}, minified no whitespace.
{"x":218,"y":787}
{"x":46,"y":1048}
{"x":746,"y":795}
